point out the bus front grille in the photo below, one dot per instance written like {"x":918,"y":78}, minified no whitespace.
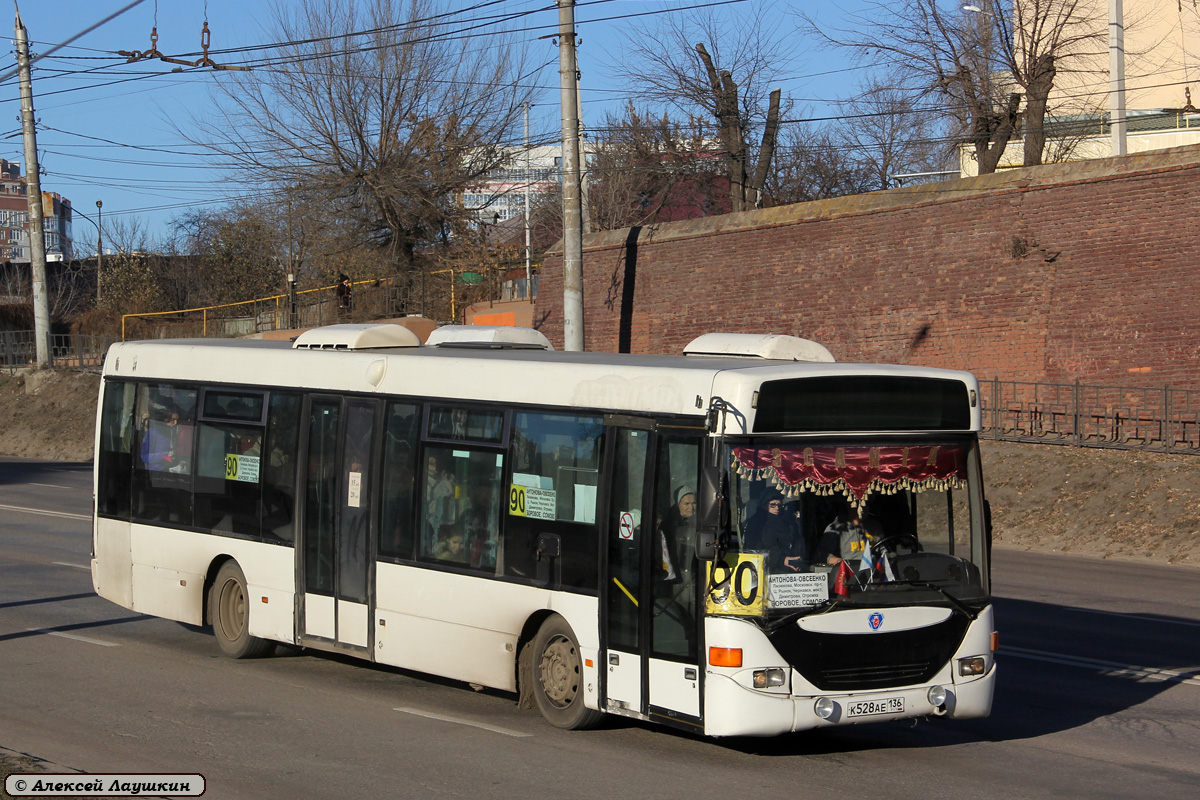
{"x":847,"y":662}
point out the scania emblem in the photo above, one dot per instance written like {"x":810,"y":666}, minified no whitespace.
{"x":876,"y":620}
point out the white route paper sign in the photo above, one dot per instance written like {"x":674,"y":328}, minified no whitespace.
{"x":797,"y":590}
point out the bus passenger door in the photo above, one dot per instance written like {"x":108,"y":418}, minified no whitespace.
{"x":652,"y":628}
{"x":622,"y":590}
{"x":337,"y":522}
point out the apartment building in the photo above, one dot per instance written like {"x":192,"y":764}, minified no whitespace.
{"x":14,"y":219}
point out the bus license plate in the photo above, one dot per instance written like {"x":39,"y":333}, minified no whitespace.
{"x":882,"y":705}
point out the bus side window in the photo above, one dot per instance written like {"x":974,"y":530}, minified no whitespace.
{"x":116,"y":450}
{"x":162,"y":458}
{"x":460,"y":513}
{"x":553,"y":491}
{"x":229,"y":478}
{"x":400,"y":445}
{"x":279,"y":467}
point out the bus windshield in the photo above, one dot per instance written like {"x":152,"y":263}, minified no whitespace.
{"x":866,"y":524}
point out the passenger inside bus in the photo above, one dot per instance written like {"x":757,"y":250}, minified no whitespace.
{"x":846,"y":537}
{"x":439,"y":500}
{"x":678,"y":533}
{"x":158,"y":446}
{"x":775,"y":529}
{"x":450,"y":546}
{"x":481,"y":526}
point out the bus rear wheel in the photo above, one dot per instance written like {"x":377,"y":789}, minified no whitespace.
{"x":557,"y":671}
{"x":229,"y":610}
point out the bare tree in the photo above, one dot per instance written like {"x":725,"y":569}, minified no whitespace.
{"x":979,"y":60}
{"x":889,"y":134}
{"x":1038,"y":39}
{"x":814,"y":164}
{"x":649,"y":168}
{"x":382,"y":110}
{"x":703,"y":63}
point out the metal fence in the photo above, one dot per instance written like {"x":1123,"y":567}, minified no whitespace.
{"x":18,"y":349}
{"x":1163,"y":419}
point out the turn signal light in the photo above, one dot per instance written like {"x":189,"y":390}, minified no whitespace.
{"x":725,"y":656}
{"x":995,"y":641}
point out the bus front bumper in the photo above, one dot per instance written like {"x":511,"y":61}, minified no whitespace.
{"x":732,"y":709}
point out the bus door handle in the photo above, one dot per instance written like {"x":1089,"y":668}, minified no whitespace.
{"x":549,"y":546}
{"x":549,"y":567}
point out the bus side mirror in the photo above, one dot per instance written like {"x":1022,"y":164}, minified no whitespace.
{"x":711,"y":499}
{"x":712,"y":515}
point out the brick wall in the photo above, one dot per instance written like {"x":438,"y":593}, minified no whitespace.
{"x":1063,"y":272}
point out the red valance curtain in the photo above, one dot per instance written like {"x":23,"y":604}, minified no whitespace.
{"x":854,"y":472}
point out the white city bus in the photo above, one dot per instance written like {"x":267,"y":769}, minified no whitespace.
{"x":646,"y":536}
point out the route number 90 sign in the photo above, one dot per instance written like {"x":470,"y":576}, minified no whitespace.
{"x":735,"y":585}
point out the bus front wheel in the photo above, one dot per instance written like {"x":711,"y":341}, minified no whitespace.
{"x":229,"y":610}
{"x":557,"y":670}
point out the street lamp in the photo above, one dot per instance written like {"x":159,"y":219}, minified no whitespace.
{"x":99,"y":247}
{"x":99,"y":250}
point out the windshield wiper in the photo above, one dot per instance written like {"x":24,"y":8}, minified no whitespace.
{"x":833,"y":602}
{"x":959,"y":605}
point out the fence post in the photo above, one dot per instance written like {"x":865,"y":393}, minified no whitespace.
{"x":1078,"y":436}
{"x":996,"y":408}
{"x":1170,"y":432}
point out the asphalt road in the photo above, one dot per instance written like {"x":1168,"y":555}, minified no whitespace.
{"x":1099,"y":697}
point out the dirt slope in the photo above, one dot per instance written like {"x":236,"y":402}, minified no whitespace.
{"x":1107,"y":503}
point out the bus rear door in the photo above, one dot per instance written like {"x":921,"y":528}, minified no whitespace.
{"x":336,"y":535}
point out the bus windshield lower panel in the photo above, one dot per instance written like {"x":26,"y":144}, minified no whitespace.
{"x":895,"y":523}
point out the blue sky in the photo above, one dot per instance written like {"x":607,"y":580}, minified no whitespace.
{"x":106,"y":129}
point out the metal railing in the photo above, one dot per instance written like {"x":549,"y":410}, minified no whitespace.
{"x":1162,"y":419}
{"x":307,"y":308}
{"x":18,"y":349}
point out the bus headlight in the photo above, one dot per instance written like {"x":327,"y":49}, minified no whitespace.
{"x":823,"y":708}
{"x":975,"y":665}
{"x":766,"y":678}
{"x":937,"y":696}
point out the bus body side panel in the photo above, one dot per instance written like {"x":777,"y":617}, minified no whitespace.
{"x":582,"y":613}
{"x":111,"y":567}
{"x":169,"y":568}
{"x":433,"y":621}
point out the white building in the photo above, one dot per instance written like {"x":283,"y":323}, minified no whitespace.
{"x":502,"y":194}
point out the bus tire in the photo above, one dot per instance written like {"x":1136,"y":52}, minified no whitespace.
{"x":229,"y":610}
{"x":557,"y":677}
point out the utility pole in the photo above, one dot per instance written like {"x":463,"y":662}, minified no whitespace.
{"x":572,"y":208}
{"x":528,"y":180}
{"x":1116,"y":75}
{"x":37,"y":241}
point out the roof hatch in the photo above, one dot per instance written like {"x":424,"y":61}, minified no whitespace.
{"x":757,"y":345}
{"x":356,"y":337}
{"x":489,"y":336}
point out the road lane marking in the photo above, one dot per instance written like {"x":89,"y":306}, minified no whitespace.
{"x":1109,"y":668}
{"x":56,"y":486}
{"x":44,"y":512}
{"x":461,"y":721}
{"x":75,"y":566}
{"x":1144,"y":617}
{"x":76,"y":637}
